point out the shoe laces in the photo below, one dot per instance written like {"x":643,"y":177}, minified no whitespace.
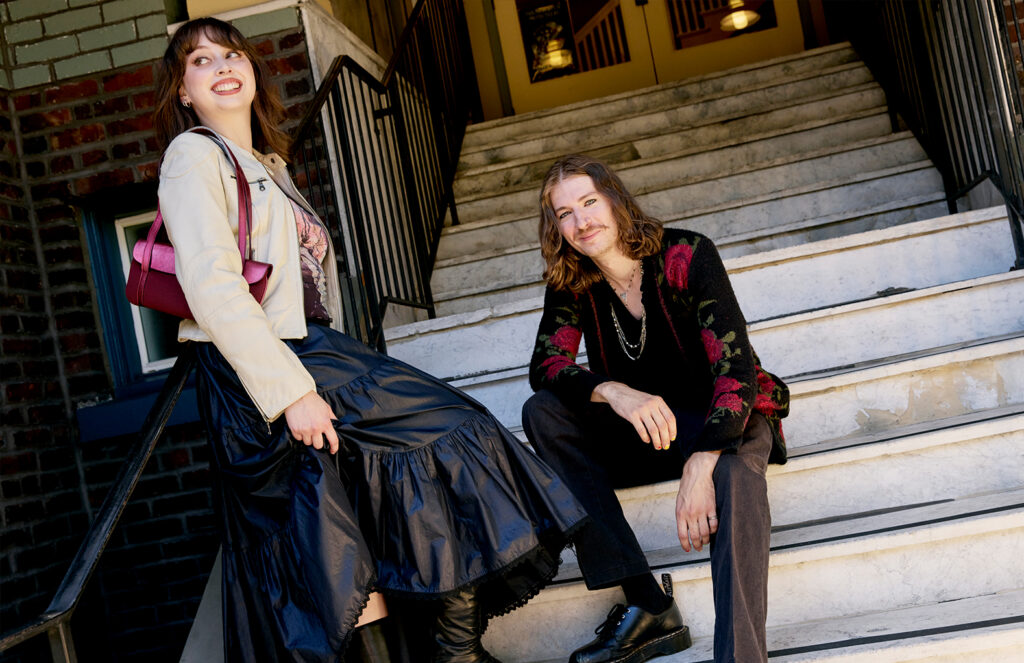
{"x":614,"y":618}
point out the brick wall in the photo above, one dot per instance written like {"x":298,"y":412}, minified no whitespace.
{"x":1016,"y":30}
{"x":80,"y":138}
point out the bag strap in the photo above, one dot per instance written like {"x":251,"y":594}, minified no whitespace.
{"x":244,"y":209}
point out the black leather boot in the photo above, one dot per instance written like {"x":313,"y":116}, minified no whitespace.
{"x":369,"y":644}
{"x":458,"y":629}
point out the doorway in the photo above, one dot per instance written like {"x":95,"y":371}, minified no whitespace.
{"x":559,"y":52}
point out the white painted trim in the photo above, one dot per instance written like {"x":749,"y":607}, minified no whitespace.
{"x":252,"y":10}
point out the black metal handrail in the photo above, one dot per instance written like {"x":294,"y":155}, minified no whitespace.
{"x":396,"y":143}
{"x":55,"y":620}
{"x":948,"y":70}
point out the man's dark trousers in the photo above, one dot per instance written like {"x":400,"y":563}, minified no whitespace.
{"x":596,"y":451}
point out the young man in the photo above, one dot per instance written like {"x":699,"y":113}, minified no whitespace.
{"x":674,"y":390}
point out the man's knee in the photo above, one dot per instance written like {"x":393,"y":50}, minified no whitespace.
{"x":542,"y":407}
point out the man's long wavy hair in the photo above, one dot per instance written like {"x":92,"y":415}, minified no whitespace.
{"x":639,"y":234}
{"x":171,"y":118}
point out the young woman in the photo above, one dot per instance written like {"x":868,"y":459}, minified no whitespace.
{"x":427,"y":496}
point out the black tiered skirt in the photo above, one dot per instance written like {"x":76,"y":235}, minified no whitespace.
{"x":429,"y":494}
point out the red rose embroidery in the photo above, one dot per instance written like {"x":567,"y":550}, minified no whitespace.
{"x":764,"y":404}
{"x":725,"y":384}
{"x":677,"y":265}
{"x":566,"y":339}
{"x":764,"y":382}
{"x":554,"y":365}
{"x":713,"y":347}
{"x":730,"y":401}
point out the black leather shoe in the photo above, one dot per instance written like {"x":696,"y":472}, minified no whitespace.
{"x":633,"y":635}
{"x":458,"y":629}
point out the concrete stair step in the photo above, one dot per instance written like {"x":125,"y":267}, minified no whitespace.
{"x":821,"y":210}
{"x":602,"y":127}
{"x":728,"y":144}
{"x":804,"y":278}
{"x":667,"y":185}
{"x":525,"y":282}
{"x":795,"y":344}
{"x":979,"y":629}
{"x":917,"y":464}
{"x":849,"y":401}
{"x":916,"y":555}
{"x":487,"y":135}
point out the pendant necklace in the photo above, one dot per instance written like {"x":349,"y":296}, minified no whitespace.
{"x":627,"y":347}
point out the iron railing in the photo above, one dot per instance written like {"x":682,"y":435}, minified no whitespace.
{"x":948,"y":69}
{"x":56,"y":619}
{"x":394,"y":145}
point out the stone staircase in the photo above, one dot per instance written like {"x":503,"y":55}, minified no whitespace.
{"x":899,"y":519}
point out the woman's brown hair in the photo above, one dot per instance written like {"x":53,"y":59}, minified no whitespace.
{"x":639,"y":234}
{"x":171,"y":118}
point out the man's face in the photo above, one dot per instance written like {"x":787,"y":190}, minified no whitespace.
{"x":585,"y":217}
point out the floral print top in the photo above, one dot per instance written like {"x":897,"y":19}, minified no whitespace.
{"x":694,"y":295}
{"x":313,"y":239}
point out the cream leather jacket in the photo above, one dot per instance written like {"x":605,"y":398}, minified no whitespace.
{"x":199,"y":203}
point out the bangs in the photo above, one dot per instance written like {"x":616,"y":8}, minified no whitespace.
{"x":218,"y":32}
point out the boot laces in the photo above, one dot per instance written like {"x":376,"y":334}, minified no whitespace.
{"x":612,"y":621}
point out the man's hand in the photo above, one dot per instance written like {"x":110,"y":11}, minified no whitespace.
{"x":696,"y":517}
{"x":649,"y":414}
{"x":309,"y":420}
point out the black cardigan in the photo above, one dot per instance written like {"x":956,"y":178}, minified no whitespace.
{"x":696,"y":298}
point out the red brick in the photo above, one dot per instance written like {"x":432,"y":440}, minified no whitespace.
{"x":125,"y":150}
{"x":27,"y":101}
{"x":70,"y":91}
{"x":129,"y":79}
{"x":21,"y":346}
{"x":106,"y":108}
{"x":175,"y":459}
{"x":49,"y":190}
{"x":152,"y":145}
{"x":77,"y":342}
{"x":296,"y":88}
{"x":144,"y":100}
{"x":13,"y":464}
{"x":21,"y":392}
{"x":132,"y":124}
{"x":264,"y":48}
{"x":52,"y":213}
{"x":149,"y":171}
{"x":291,"y":41}
{"x":50,"y":118}
{"x":288,"y":65}
{"x":89,"y":133}
{"x":93,"y":157}
{"x":62,"y":165}
{"x":93,"y":183}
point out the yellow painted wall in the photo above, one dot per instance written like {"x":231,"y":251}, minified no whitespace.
{"x":785,"y":39}
{"x":210,"y":7}
{"x":483,"y":61}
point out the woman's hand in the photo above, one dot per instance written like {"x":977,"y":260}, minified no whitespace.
{"x":696,"y":514}
{"x":309,"y":420}
{"x":649,"y":414}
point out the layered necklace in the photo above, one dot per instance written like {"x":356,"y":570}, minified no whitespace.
{"x":631,"y":350}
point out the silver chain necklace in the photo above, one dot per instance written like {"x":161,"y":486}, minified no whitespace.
{"x":627,"y":347}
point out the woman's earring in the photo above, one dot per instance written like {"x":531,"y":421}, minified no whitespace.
{"x":186,"y":103}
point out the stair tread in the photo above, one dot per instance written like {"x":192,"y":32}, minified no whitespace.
{"x":749,"y":167}
{"x":551,"y":155}
{"x":998,"y":618}
{"x":846,"y":535}
{"x":471,"y":146}
{"x":547,"y":112}
{"x":912,"y":436}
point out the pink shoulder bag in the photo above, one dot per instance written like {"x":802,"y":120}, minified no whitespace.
{"x":151,"y":279}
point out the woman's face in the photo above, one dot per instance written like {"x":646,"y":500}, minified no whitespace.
{"x":218,"y":80}
{"x":585,"y":218}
